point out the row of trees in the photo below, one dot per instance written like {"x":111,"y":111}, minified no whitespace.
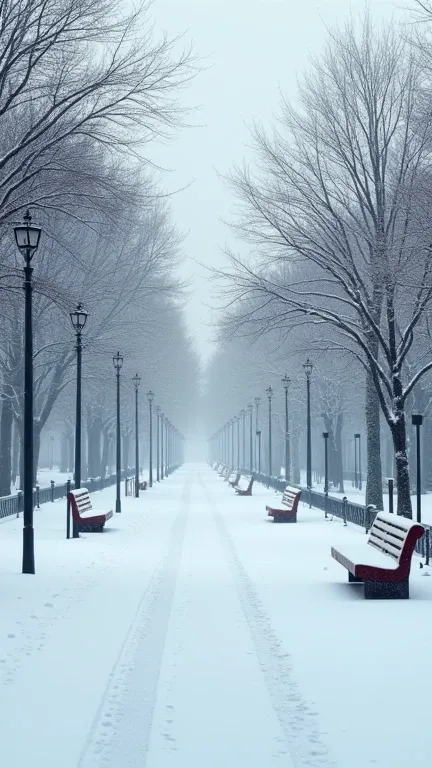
{"x":84,"y":86}
{"x":337,"y":211}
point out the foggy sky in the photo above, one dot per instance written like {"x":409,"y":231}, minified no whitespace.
{"x":252,"y":50}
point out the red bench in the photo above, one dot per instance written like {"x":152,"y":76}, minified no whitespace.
{"x":244,"y":485}
{"x":85,"y":517}
{"x":383,"y":563}
{"x":290,"y":500}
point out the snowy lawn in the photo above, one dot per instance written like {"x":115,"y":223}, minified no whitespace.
{"x":195,"y":631}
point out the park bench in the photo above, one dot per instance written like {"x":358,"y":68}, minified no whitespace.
{"x":288,"y":512}
{"x":223,"y":470}
{"x":85,"y":517}
{"x":383,"y":562}
{"x":234,"y":478}
{"x":243,"y":487}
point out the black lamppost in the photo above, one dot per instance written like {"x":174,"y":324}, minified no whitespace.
{"x":250,"y":409}
{"x":358,"y":463}
{"x":417,"y":421}
{"x":308,"y":371}
{"x":162,"y":418}
{"x":167,"y":448}
{"x":326,"y":481}
{"x":118,"y":362}
{"x":158,"y":410}
{"x":258,"y":435}
{"x":27,"y":239}
{"x":269,"y":392}
{"x":238,"y":441}
{"x":232,"y":443}
{"x":78,"y":319}
{"x":150,"y":397}
{"x":355,"y":462}
{"x":285,"y":383}
{"x":243,"y":415}
{"x":137,"y":381}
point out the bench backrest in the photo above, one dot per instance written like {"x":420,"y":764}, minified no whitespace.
{"x":244,"y":482}
{"x":81,"y":499}
{"x":394,"y":535}
{"x":290,"y":498}
{"x":232,"y":476}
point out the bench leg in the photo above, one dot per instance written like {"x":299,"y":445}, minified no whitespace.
{"x":381,"y":590}
{"x":353,"y":579}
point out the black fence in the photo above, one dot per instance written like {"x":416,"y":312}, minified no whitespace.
{"x":348,"y":511}
{"x":13,"y":505}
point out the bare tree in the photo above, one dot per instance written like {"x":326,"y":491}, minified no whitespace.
{"x":343,"y":191}
{"x":78,"y":75}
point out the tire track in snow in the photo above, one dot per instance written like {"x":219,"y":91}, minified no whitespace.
{"x":122,"y":726}
{"x":298,"y":720}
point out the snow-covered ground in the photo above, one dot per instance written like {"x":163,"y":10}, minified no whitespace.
{"x":195,"y":632}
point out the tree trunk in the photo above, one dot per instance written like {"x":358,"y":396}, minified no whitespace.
{"x":374,"y":493}
{"x":37,"y":429}
{"x":404,"y":506}
{"x":15,"y":453}
{"x":105,"y":452}
{"x":6,"y":422}
{"x":295,"y":458}
{"x":64,"y":467}
{"x":125,"y":450}
{"x":338,"y":457}
{"x":71,"y":457}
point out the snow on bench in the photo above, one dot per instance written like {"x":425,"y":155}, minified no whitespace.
{"x":383,"y":562}
{"x":290,"y":500}
{"x":244,"y":485}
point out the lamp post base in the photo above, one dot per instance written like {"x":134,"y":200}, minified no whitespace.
{"x":28,"y":561}
{"x":118,"y":505}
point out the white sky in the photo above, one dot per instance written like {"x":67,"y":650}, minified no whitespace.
{"x":253,"y":49}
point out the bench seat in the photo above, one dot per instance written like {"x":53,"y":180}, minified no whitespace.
{"x":383,"y":562}
{"x":357,"y":557}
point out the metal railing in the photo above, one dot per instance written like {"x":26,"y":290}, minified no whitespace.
{"x":348,"y":511}
{"x":12,"y":505}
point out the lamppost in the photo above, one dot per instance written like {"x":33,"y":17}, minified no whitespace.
{"x":27,"y":239}
{"x":232,"y":443}
{"x":285,"y":383}
{"x":359,"y":473}
{"x":417,"y":421}
{"x":118,"y":362}
{"x":258,"y":435}
{"x":250,"y":409}
{"x":162,"y":419}
{"x":150,"y":397}
{"x":51,"y":452}
{"x":238,"y":441}
{"x":269,"y":392}
{"x":326,"y":483}
{"x":78,"y":320}
{"x":243,"y":415}
{"x":308,"y":371}
{"x":355,"y":462}
{"x":137,"y":381}
{"x":158,"y":410}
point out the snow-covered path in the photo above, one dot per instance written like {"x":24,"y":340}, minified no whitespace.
{"x":195,"y":632}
